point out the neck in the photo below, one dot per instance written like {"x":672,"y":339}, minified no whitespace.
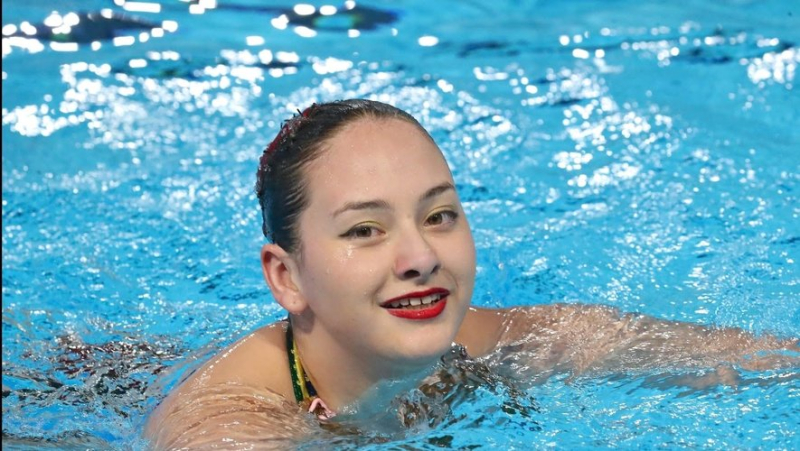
{"x":348,"y":381}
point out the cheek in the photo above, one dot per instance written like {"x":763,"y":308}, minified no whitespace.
{"x":457,"y":253}
{"x":468,"y":267}
{"x":464,"y":250}
{"x":344,"y":269}
{"x":317,"y":268}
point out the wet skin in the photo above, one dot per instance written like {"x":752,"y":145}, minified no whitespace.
{"x":383,"y":223}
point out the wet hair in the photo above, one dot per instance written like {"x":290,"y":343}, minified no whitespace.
{"x":281,"y":183}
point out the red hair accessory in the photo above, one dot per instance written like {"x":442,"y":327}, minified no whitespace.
{"x":288,"y":129}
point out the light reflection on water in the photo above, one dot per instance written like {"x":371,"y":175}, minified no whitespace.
{"x":644,"y":160}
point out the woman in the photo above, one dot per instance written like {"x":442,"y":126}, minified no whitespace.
{"x":371,"y":255}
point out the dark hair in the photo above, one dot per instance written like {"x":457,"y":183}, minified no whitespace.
{"x":280,"y":183}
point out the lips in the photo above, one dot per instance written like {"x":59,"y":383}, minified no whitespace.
{"x":418,"y":305}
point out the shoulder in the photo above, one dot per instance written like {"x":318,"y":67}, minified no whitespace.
{"x":255,"y":364}
{"x":256,"y":359}
{"x":481,"y":330}
{"x":562,"y":312}
{"x":484,"y":330}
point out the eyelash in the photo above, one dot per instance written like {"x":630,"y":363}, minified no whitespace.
{"x":373,"y":230}
{"x":452,"y":217}
{"x":353,"y":233}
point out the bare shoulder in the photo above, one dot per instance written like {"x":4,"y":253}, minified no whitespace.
{"x":257,"y":359}
{"x":228,"y":416}
{"x":561,"y":314}
{"x":485,"y":329}
{"x":252,"y":373}
{"x":481,"y":330}
{"x":543,"y":322}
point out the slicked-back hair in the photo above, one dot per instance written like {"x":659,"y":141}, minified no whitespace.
{"x":281,"y":184}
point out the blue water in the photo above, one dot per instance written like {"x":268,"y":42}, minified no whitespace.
{"x":637,"y":154}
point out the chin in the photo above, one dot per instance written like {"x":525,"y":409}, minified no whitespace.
{"x":419,"y":344}
{"x":423,"y":349}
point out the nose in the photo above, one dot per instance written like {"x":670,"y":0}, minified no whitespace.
{"x":416,"y":259}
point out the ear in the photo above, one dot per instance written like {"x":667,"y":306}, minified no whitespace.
{"x":280,"y":272}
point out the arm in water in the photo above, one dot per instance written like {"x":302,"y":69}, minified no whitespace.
{"x":540,"y":341}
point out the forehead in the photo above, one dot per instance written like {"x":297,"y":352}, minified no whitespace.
{"x":376,"y":158}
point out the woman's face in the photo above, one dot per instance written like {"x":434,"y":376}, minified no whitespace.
{"x":384,"y":230}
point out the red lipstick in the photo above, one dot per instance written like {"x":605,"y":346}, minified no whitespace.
{"x":403,"y":307}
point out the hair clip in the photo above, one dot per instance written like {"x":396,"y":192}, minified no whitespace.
{"x":288,"y":129}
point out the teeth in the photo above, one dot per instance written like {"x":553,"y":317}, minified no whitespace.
{"x":415,"y":301}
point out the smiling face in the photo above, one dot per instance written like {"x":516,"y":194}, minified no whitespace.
{"x":384,"y":230}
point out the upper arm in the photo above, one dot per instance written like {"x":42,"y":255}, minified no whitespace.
{"x":226,"y":414}
{"x":595,"y":337}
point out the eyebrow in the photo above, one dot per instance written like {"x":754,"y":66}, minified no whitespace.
{"x":366,"y":205}
{"x":383,"y":205}
{"x":437,"y":190}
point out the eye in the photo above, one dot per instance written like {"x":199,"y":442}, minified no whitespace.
{"x":442,"y":217}
{"x":362,"y":231}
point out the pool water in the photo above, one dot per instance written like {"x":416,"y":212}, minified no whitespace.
{"x":642,"y":155}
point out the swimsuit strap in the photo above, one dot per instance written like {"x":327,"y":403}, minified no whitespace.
{"x":304,"y":391}
{"x":303,"y":388}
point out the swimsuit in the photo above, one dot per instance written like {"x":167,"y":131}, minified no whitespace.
{"x":304,"y":391}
